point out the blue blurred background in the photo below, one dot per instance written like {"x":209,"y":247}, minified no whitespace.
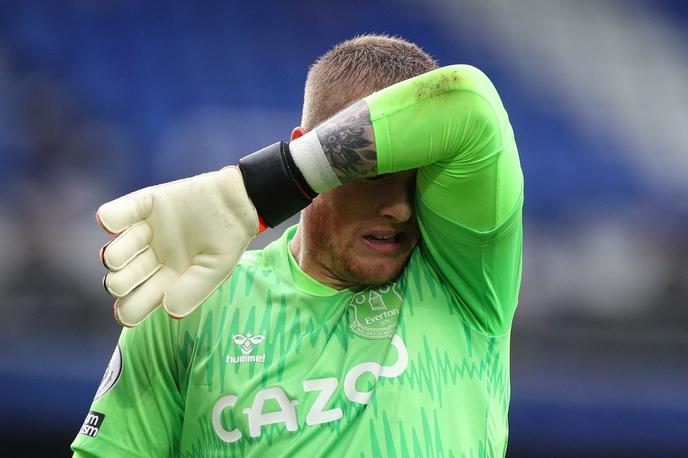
{"x":98,"y":98}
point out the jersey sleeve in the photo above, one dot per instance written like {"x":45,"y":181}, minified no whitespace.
{"x":451,"y":125}
{"x":138,"y":408}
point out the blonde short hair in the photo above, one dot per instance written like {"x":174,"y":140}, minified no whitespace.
{"x":355,"y":69}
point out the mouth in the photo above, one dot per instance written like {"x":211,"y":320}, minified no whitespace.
{"x":384,"y":242}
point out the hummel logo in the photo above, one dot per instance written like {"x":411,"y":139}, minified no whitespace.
{"x":247,"y":342}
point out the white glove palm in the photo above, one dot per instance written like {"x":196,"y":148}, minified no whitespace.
{"x":176,"y":243}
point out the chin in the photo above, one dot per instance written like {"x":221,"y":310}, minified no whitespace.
{"x":376,"y":273}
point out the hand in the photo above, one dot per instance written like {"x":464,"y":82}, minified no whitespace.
{"x":175,"y":243}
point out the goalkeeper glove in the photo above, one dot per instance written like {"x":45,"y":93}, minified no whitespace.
{"x":177,"y":242}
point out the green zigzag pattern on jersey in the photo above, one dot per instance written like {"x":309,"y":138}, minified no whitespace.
{"x":205,"y":443}
{"x":281,"y":338}
{"x":208,"y":444}
{"x":432,"y":371}
{"x":397,"y":441}
{"x":421,"y":277}
{"x":429,"y":371}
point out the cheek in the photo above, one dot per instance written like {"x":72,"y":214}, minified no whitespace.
{"x":322,"y":225}
{"x":339,"y":210}
{"x":319,"y":217}
{"x":331,"y":229}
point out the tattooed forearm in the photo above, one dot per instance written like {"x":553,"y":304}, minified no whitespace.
{"x":349,"y":143}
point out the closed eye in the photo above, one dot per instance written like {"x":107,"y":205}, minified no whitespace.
{"x":377,"y":177}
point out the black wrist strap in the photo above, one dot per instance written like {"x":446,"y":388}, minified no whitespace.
{"x":274,"y":184}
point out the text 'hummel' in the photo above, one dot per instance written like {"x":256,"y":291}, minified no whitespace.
{"x":246,"y":345}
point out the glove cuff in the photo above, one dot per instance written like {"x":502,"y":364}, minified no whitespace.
{"x":274,"y":183}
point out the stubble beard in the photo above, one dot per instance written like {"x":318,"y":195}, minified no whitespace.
{"x":351,"y":270}
{"x":339,"y":260}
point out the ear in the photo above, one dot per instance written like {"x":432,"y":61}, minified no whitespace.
{"x":297,"y":132}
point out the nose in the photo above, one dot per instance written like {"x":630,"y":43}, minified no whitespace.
{"x":397,"y":203}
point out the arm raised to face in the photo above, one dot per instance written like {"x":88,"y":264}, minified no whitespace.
{"x":451,"y":126}
{"x":177,"y":242}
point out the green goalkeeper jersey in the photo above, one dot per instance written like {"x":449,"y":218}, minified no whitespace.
{"x":276,"y":364}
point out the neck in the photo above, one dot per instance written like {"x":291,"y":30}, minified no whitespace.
{"x":311,"y":266}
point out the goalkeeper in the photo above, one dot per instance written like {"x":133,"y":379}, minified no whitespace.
{"x":379,"y":326}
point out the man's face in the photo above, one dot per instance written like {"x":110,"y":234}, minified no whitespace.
{"x":361,"y":233}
